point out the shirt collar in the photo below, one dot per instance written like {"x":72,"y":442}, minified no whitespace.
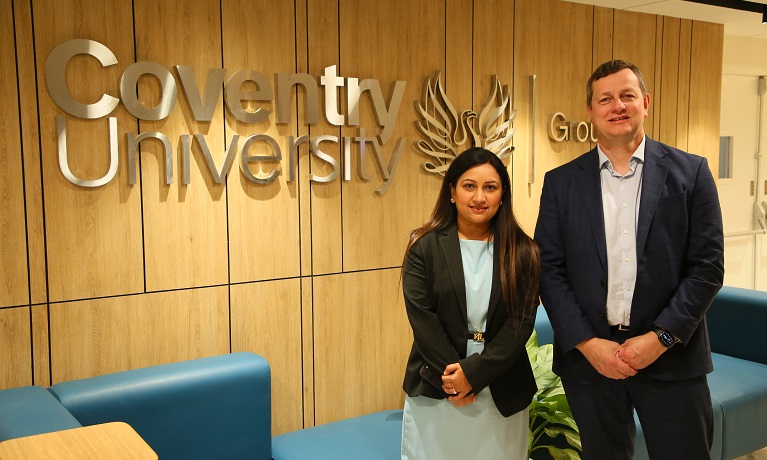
{"x":636,"y":157}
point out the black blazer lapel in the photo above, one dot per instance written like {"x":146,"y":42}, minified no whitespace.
{"x":451,"y":248}
{"x":590,"y":189}
{"x":495,"y":290}
{"x":655,"y":171}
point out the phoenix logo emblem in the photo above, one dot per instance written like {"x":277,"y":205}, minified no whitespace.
{"x":446,"y":131}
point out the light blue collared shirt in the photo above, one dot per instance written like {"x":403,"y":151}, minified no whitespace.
{"x":620,"y":204}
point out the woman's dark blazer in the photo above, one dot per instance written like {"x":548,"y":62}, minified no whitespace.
{"x":435,"y":299}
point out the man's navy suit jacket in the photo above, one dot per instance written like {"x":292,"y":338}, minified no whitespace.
{"x":680,"y":259}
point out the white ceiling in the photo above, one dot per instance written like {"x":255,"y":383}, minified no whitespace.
{"x":736,"y":22}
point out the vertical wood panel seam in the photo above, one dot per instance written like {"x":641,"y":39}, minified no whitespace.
{"x":659,"y":73}
{"x":21,"y":155}
{"x":140,"y":168}
{"x":300,"y":205}
{"x":226,"y":187}
{"x":24,"y":194}
{"x":42,"y":193}
{"x":473,"y":47}
{"x":340,"y":132}
{"x":24,"y":191}
{"x":689,"y":84}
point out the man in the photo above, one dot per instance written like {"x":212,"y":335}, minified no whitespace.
{"x":632,"y":256}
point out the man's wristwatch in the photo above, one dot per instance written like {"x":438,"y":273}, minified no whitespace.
{"x":666,"y":338}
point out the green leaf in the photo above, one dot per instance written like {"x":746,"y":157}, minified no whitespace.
{"x":563,"y":454}
{"x":532,"y":348}
{"x":573,"y":437}
{"x":549,"y":412}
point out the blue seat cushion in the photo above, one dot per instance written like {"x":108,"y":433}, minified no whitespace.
{"x":27,"y":411}
{"x":740,"y":388}
{"x":376,"y":436}
{"x":209,"y":408}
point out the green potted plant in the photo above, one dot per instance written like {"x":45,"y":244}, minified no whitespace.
{"x":550,"y":415}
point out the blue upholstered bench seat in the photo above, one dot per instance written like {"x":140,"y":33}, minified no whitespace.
{"x":32,"y":410}
{"x":740,"y":388}
{"x":375,"y":436}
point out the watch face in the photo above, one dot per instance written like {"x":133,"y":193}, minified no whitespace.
{"x":666,"y":338}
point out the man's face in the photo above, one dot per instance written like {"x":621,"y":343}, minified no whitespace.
{"x":618,"y":108}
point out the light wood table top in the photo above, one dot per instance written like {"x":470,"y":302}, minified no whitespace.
{"x":108,"y":441}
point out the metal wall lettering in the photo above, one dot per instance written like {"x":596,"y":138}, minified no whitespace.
{"x":560,"y":129}
{"x":246,"y":106}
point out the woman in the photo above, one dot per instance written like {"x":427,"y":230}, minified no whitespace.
{"x":470,"y":282}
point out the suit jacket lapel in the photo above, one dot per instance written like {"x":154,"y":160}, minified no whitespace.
{"x":655,"y":171}
{"x":451,"y":248}
{"x":590,"y":189}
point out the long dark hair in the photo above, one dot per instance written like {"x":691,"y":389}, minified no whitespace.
{"x":517,"y":253}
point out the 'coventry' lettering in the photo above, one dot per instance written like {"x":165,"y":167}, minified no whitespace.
{"x":202,"y":103}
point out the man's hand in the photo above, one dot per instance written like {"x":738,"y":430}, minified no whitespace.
{"x":641,"y":351}
{"x":603,"y":356}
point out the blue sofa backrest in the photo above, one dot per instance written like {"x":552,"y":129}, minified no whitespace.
{"x":736,"y":324}
{"x":209,"y":408}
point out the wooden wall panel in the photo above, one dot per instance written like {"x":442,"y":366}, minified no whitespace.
{"x":458,"y":74}
{"x":375,"y":227}
{"x":361,"y":343}
{"x":266,"y":320}
{"x":657,"y":96}
{"x":539,"y":51}
{"x":184,"y":225}
{"x":263,"y":219}
{"x":16,"y":365}
{"x":92,"y":234}
{"x":641,"y":53}
{"x":304,"y":187}
{"x":14,"y":282}
{"x":326,"y":243}
{"x":667,"y":101}
{"x":30,"y":130}
{"x":602,"y":43}
{"x":494,"y":55}
{"x":705,"y":91}
{"x":683,"y":94}
{"x":493,"y":48}
{"x":41,"y":350}
{"x":94,"y":337}
{"x":307,"y":337}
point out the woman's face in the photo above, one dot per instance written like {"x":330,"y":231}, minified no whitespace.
{"x":477,"y":197}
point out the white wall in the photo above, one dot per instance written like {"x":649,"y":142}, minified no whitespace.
{"x":745,"y":256}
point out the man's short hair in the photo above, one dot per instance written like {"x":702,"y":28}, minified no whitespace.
{"x":609,"y":68}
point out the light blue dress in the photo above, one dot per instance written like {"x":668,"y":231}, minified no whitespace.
{"x":433,"y":429}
